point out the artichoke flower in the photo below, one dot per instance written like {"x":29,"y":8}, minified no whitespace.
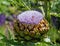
{"x":30,"y":25}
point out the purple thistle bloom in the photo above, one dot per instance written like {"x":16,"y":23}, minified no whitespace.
{"x":2,"y":19}
{"x":30,"y":17}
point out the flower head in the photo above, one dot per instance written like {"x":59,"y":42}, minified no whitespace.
{"x":30,"y":25}
{"x":2,"y":19}
{"x":32,"y":17}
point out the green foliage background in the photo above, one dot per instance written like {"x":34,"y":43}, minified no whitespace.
{"x":19,"y":6}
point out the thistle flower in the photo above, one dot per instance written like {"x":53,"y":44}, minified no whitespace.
{"x":32,"y":17}
{"x":2,"y":19}
{"x":30,"y":25}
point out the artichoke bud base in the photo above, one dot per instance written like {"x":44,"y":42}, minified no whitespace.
{"x":29,"y":32}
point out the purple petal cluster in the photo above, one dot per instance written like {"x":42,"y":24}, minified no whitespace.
{"x":2,"y":19}
{"x":30,"y":17}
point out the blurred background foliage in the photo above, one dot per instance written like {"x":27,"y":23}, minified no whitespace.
{"x":14,"y":7}
{"x":55,"y":6}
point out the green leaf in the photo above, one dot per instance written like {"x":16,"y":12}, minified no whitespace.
{"x":52,"y":33}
